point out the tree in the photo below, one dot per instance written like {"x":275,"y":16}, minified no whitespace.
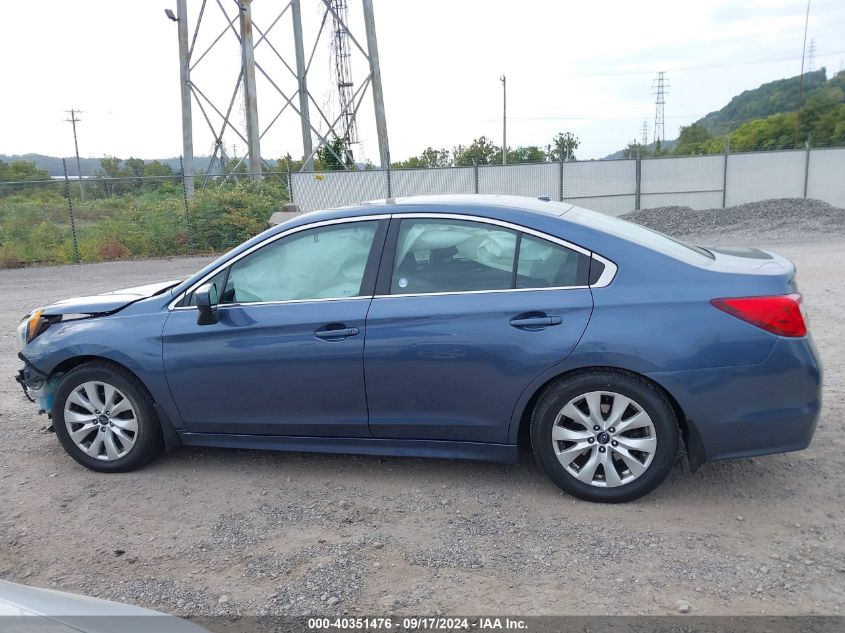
{"x":289,"y":162}
{"x":829,"y":128}
{"x":19,"y":170}
{"x":436,"y":157}
{"x":414,"y":162}
{"x":692,"y":140}
{"x":134,"y":168}
{"x":563,"y":147}
{"x":157,"y":169}
{"x":520,"y":154}
{"x":110,"y":167}
{"x":774,"y":132}
{"x":327,"y":157}
{"x":106,"y":177}
{"x":635,"y":149}
{"x":429,"y":158}
{"x":480,"y":152}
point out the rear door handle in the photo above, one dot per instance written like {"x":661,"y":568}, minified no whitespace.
{"x":535,"y":322}
{"x":336,"y":334}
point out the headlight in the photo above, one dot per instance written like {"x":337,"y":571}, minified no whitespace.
{"x":31,"y":327}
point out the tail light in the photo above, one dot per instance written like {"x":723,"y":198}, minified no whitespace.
{"x":782,"y":315}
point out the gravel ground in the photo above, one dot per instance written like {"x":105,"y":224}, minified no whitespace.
{"x":790,"y":219}
{"x":205,"y":532}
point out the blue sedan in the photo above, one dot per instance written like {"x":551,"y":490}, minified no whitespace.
{"x":444,"y":326}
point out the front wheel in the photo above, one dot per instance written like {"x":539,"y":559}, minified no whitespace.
{"x":604,"y":436}
{"x":104,"y":418}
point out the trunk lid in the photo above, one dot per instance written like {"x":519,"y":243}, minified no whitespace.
{"x":750,"y":261}
{"x":757,"y":271}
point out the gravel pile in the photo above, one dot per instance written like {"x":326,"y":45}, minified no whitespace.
{"x":786,"y":219}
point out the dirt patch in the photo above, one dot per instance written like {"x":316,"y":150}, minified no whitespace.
{"x":208,"y":531}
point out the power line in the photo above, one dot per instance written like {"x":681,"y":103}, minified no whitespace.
{"x":73,"y":120}
{"x":801,"y":82}
{"x":680,"y":69}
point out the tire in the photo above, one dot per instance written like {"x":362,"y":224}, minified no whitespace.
{"x":606,"y":464}
{"x":127,"y":439}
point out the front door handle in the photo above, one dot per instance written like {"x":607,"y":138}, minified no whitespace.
{"x":535,"y":322}
{"x":336,"y":333}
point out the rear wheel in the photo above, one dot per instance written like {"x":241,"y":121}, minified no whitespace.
{"x":604,"y":436}
{"x":104,"y":418}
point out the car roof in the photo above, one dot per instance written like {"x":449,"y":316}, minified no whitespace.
{"x":516,"y":203}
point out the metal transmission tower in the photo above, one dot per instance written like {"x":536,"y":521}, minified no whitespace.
{"x":659,"y":89}
{"x":343,"y":73}
{"x":645,"y":133}
{"x":284,"y":88}
{"x":811,"y":56}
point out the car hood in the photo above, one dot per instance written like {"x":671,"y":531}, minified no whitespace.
{"x":61,"y":612}
{"x":107,"y":302}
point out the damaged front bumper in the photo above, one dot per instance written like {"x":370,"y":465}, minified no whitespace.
{"x":36,"y":385}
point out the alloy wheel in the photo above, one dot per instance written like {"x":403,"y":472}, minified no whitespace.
{"x":604,"y":439}
{"x":101,"y":420}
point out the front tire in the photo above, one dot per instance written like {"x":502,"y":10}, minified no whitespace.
{"x":105,"y":419}
{"x":604,"y":436}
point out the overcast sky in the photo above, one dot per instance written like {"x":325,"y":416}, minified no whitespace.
{"x":585,"y":67}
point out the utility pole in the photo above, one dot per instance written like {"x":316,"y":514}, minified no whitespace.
{"x":378,"y":92}
{"x":801,"y":81}
{"x":503,"y":79}
{"x":253,"y":133}
{"x":73,"y":120}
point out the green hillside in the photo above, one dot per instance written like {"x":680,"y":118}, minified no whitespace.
{"x":771,"y":98}
{"x":765,"y":118}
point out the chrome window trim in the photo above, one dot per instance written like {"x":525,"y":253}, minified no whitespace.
{"x":502,"y":223}
{"x":479,"y":292}
{"x":604,"y":280}
{"x":223,"y":306}
{"x":270,"y":240}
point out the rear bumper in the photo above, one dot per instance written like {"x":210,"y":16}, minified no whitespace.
{"x":772,"y":407}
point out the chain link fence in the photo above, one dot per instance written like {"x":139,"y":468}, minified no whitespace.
{"x":58,"y":221}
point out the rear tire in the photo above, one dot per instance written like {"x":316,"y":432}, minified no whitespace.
{"x":105,"y":419}
{"x":604,"y":435}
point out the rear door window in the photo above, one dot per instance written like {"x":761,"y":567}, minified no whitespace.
{"x":452,"y":256}
{"x":544,"y":264}
{"x":444,"y":255}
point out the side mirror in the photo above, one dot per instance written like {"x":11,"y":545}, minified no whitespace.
{"x":206,"y":299}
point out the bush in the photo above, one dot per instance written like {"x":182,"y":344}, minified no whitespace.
{"x":9,"y":258}
{"x":146,"y":222}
